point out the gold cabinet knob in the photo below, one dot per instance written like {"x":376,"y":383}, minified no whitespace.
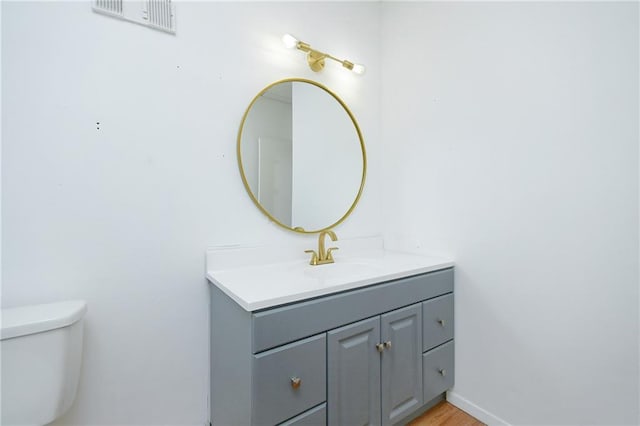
{"x":443,"y":372}
{"x":387,"y":344}
{"x":296,"y":382}
{"x":380,"y":347}
{"x":441,"y":322}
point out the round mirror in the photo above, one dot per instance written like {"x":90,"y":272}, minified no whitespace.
{"x":301,"y":155}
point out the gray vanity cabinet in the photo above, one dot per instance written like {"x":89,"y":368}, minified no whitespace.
{"x":374,"y":355}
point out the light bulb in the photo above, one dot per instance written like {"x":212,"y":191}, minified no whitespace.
{"x":358,"y":69}
{"x":289,"y":41}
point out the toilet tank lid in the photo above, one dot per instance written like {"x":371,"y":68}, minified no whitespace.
{"x":23,"y":320}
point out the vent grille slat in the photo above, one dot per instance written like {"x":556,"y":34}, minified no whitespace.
{"x":161,"y":14}
{"x":109,"y":6}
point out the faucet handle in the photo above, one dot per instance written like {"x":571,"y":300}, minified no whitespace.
{"x":329,"y":250}
{"x":314,"y":257}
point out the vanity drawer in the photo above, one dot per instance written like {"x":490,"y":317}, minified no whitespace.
{"x":437,"y":321}
{"x":437,"y":371}
{"x":275,"y":395}
{"x":315,"y":417}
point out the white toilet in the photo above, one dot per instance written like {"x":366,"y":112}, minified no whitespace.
{"x":41,"y":353}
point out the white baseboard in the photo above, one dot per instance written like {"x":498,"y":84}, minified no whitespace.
{"x":479,"y":413}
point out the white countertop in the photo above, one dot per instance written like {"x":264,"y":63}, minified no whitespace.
{"x":258,"y":278}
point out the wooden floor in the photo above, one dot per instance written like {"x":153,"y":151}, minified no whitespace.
{"x":445,"y":414}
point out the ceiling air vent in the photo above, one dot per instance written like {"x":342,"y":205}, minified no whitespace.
{"x":157,"y":14}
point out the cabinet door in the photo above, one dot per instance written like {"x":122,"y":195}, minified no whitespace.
{"x":353,"y":374}
{"x":401,"y":363}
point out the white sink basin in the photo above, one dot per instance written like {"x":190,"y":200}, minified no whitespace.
{"x":342,"y":268}
{"x":255,"y":283}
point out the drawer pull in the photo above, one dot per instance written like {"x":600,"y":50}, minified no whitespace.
{"x":443,"y":372}
{"x":441,"y":322}
{"x":380,"y":347}
{"x":296,"y":382}
{"x":387,"y":344}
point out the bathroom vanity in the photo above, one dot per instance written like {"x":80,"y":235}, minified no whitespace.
{"x":367,"y":340}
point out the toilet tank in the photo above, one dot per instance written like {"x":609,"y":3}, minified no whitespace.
{"x":41,"y":354}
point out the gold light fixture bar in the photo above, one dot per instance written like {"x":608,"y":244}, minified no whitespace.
{"x":315,"y":58}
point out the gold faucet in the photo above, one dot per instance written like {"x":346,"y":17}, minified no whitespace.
{"x":323,"y":257}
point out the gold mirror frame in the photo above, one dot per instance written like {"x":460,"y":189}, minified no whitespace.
{"x":360,"y":138}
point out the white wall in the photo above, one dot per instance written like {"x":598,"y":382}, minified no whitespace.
{"x":121,"y":216}
{"x":510,"y":143}
{"x":510,"y":138}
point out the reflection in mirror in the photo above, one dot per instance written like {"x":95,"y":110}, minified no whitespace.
{"x":301,"y":155}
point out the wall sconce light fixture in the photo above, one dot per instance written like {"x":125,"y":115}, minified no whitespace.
{"x":315,"y":58}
